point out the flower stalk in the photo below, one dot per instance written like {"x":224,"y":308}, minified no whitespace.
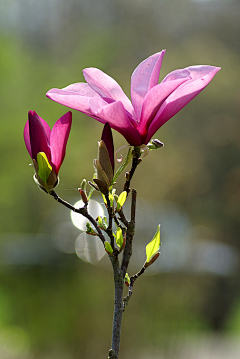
{"x":136,"y":160}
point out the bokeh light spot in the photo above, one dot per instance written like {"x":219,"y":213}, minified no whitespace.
{"x":89,"y":248}
{"x":94,"y":208}
{"x":14,"y":343}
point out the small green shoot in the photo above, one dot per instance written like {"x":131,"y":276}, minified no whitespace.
{"x":121,"y":200}
{"x":152,"y":249}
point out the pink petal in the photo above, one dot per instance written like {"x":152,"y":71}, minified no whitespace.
{"x":117,"y":117}
{"x":155,"y":97}
{"x":95,"y":104}
{"x":75,"y":96}
{"x":36,"y":135}
{"x":144,"y":77}
{"x":58,"y":139}
{"x":201,"y":76}
{"x":27,"y":138}
{"x":82,"y":89}
{"x":106,"y":87}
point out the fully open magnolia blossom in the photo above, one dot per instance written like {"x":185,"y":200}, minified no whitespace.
{"x":47,"y":147}
{"x":152,"y":104}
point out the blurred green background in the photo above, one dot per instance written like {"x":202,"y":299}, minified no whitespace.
{"x":53,"y":304}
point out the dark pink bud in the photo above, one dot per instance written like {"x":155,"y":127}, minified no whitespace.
{"x":108,"y":140}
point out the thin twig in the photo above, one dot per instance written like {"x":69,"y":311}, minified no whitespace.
{"x":110,"y":218}
{"x":129,"y":236}
{"x":135,"y":162}
{"x":118,"y":309}
{"x":132,"y":281}
{"x":118,"y":223}
{"x":122,"y":218}
{"x":133,"y":206}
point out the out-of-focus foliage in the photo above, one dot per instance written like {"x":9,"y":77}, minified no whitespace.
{"x":61,"y":308}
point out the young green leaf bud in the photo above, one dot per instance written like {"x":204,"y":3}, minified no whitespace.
{"x":155,"y":144}
{"x":83,"y":195}
{"x":127,"y":280}
{"x":108,"y":248}
{"x":102,"y":222}
{"x":90,"y":230}
{"x":121,"y":200}
{"x":83,"y":185}
{"x":152,"y":249}
{"x":152,"y":260}
{"x":119,"y":237}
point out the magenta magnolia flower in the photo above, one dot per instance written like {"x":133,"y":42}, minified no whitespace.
{"x":152,"y":104}
{"x":47,"y":147}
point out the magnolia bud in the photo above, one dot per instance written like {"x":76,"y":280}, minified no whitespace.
{"x":45,"y":177}
{"x":155,"y":144}
{"x":83,"y":195}
{"x":103,"y":169}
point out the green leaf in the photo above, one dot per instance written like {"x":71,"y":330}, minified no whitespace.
{"x":119,"y":237}
{"x":102,"y":222}
{"x":111,"y":198}
{"x":105,"y":223}
{"x":121,"y":200}
{"x":124,"y":164}
{"x":90,"y":230}
{"x":44,"y":167}
{"x":104,"y":198}
{"x":108,"y":247}
{"x":153,"y":247}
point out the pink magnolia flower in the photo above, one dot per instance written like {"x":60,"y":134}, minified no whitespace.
{"x":152,"y":104}
{"x":47,"y":147}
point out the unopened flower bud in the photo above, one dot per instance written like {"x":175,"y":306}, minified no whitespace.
{"x":104,"y":164}
{"x":83,"y":185}
{"x":47,"y":148}
{"x":83,"y":195}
